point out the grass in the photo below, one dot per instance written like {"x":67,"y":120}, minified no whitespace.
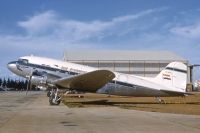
{"x":178,"y":105}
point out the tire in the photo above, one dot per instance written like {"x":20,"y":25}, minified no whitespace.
{"x":51,"y":100}
{"x":48,"y":94}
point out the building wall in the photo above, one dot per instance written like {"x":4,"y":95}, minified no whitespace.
{"x":141,"y":63}
{"x":140,"y":68}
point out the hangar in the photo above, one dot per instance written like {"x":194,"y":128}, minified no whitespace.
{"x":141,"y":63}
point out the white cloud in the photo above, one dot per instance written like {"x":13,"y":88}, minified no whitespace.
{"x":49,"y":29}
{"x":49,"y":23}
{"x":190,"y":31}
{"x":39,"y":22}
{"x":48,"y":32}
{"x":133,"y":16}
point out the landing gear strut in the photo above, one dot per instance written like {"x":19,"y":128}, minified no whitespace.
{"x":54,"y":98}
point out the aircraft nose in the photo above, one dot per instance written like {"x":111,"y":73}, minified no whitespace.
{"x":11,"y":66}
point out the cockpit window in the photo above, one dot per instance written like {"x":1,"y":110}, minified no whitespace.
{"x":23,"y":61}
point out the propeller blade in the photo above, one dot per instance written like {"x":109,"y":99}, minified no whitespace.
{"x":29,"y":82}
{"x":29,"y":86}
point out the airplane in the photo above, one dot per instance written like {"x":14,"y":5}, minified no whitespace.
{"x":58,"y":75}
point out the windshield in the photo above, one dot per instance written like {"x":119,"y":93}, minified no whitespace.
{"x":23,"y":61}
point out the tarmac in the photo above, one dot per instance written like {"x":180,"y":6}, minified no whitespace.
{"x":21,"y":113}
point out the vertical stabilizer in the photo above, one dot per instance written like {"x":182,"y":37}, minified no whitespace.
{"x":175,"y":75}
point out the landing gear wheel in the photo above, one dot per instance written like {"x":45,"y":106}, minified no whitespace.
{"x":54,"y":99}
{"x":48,"y":94}
{"x":53,"y":102}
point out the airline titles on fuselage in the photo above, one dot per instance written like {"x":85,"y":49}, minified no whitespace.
{"x":73,"y":70}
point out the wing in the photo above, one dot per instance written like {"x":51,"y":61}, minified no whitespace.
{"x":90,"y":81}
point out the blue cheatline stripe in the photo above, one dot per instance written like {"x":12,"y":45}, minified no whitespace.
{"x":121,"y":83}
{"x":72,"y":73}
{"x":176,"y":69}
{"x":47,"y":68}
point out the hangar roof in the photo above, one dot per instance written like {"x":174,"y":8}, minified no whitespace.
{"x":121,"y":55}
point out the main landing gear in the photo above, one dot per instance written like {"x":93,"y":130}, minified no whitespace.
{"x":54,"y":98}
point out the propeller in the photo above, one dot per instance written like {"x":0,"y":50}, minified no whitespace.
{"x":33,"y":73}
{"x":29,"y":85}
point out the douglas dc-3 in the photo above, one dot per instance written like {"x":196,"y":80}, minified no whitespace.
{"x":57,"y":75}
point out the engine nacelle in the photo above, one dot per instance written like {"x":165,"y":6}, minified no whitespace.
{"x":38,"y":81}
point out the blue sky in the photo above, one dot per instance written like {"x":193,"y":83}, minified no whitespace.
{"x":48,"y":27}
